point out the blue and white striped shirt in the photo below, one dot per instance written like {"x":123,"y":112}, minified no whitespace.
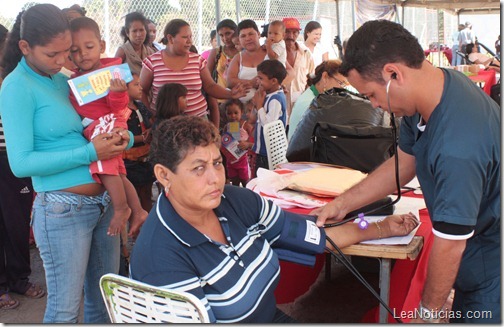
{"x":236,"y":281}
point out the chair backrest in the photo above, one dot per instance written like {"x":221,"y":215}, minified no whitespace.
{"x":131,"y":301}
{"x":276,"y":143}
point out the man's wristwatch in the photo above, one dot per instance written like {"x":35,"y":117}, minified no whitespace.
{"x":427,"y":315}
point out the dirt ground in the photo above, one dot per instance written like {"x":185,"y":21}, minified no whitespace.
{"x":29,"y":311}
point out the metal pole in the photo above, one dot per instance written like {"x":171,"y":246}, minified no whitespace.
{"x":385,"y":267}
{"x":106,"y":24}
{"x":402,"y":10}
{"x":266,"y":16}
{"x":338,"y":32}
{"x":237,"y":6}
{"x":200,"y":23}
{"x":315,"y":9}
{"x":217,"y":12}
{"x":353,"y":16}
{"x":217,"y":20}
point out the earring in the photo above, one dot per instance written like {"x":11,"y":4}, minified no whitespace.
{"x":167,"y":190}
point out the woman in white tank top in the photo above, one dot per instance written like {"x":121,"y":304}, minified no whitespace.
{"x":243,"y":68}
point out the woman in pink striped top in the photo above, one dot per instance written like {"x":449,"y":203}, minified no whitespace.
{"x":176,"y":64}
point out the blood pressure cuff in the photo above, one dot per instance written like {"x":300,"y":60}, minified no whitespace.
{"x":300,"y":240}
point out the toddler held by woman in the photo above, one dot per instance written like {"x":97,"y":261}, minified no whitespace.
{"x":103,"y":115}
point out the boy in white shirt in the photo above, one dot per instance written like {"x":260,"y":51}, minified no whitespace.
{"x":275,"y":44}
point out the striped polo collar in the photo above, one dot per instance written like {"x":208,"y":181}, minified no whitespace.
{"x":179,"y":227}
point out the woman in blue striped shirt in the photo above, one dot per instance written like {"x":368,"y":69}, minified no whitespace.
{"x":221,"y":242}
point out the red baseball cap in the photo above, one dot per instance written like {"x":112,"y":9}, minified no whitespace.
{"x":291,"y":23}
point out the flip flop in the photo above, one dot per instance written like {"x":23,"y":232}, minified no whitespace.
{"x":34,"y":291}
{"x":6,"y":302}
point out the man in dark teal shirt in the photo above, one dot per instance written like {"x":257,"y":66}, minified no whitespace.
{"x":450,"y":138}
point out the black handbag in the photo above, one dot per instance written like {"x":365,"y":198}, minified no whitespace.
{"x":335,"y":106}
{"x":361,"y":148}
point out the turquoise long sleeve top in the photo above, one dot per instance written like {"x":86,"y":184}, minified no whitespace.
{"x":43,"y":132}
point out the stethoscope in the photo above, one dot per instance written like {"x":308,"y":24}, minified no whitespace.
{"x":363,"y":223}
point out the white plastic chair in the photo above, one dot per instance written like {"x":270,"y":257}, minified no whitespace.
{"x":131,"y":301}
{"x":276,"y":143}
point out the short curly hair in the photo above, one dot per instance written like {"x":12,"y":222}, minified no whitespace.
{"x":175,"y":137}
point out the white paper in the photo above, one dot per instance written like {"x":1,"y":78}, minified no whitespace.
{"x":396,"y":240}
{"x":270,"y":187}
{"x":405,"y":205}
{"x":409,"y":204}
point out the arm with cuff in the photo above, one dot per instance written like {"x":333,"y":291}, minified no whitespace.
{"x":300,"y":238}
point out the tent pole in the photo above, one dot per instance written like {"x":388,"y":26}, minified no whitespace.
{"x":217,"y":20}
{"x":337,"y":19}
{"x":353,"y":16}
{"x":402,"y":12}
{"x":107,"y":22}
{"x":266,"y":15}
{"x":237,"y":6}
{"x":200,"y":23}
{"x":315,"y":9}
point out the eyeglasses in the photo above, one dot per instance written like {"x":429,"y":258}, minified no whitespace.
{"x":343,"y":84}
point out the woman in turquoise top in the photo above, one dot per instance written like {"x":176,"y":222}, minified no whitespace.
{"x":44,"y":141}
{"x":326,"y":77}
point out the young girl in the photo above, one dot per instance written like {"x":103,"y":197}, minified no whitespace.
{"x":238,"y":169}
{"x":171,"y":102}
{"x":135,"y":159}
{"x":44,"y":139}
{"x":251,"y":115}
{"x":139,"y":170}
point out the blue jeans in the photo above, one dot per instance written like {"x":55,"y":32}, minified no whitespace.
{"x":76,"y":252}
{"x":456,"y":59}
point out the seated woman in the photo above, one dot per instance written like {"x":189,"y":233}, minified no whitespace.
{"x":479,"y":58}
{"x":221,"y":242}
{"x":326,"y":100}
{"x":326,"y":77}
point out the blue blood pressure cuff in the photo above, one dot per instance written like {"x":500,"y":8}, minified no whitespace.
{"x":300,"y":240}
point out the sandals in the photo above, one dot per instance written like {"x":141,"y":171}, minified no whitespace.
{"x":6,"y":302}
{"x":34,"y":291}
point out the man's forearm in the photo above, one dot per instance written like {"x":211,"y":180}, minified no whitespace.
{"x":444,"y":262}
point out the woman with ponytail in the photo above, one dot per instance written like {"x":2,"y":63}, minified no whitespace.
{"x":312,"y":35}
{"x":326,"y":77}
{"x":329,"y":98}
{"x":44,"y":141}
